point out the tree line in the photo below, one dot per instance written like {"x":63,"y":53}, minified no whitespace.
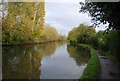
{"x":105,"y":13}
{"x":105,"y":41}
{"x":24,"y":21}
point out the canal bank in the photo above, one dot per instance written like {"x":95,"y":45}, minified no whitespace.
{"x":100,"y":66}
{"x":92,"y":70}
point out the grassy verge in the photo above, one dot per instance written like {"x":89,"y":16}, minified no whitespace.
{"x":93,"y":67}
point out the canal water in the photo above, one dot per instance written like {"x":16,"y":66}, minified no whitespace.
{"x":56,"y":60}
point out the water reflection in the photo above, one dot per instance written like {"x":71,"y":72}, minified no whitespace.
{"x":79,"y":54}
{"x":24,"y":61}
{"x":21,"y":62}
{"x":30,"y":62}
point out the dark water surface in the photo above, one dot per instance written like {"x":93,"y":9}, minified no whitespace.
{"x":46,"y":61}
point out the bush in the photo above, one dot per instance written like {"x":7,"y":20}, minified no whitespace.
{"x":109,"y":42}
{"x":82,"y":34}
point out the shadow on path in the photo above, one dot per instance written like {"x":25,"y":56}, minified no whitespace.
{"x":109,"y":70}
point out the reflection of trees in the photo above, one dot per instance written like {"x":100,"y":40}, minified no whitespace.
{"x":21,"y":63}
{"x":50,"y":48}
{"x":61,"y":43}
{"x":79,"y":54}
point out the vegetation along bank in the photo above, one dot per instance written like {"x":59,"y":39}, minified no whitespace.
{"x":105,"y":41}
{"x":25,"y":23}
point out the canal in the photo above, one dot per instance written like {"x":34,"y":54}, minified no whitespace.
{"x":56,"y":60}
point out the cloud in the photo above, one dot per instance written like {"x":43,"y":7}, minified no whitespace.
{"x":65,"y":15}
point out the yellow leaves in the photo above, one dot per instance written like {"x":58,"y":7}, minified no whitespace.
{"x":51,"y":33}
{"x":11,"y":25}
{"x":31,"y":18}
{"x":23,"y":25}
{"x":35,"y":9}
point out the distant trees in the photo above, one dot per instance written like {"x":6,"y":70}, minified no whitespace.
{"x":103,"y":12}
{"x":82,"y":34}
{"x":52,"y":34}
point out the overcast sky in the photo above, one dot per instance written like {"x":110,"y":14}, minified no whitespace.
{"x":64,"y":15}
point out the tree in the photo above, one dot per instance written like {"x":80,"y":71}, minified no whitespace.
{"x":73,"y":35}
{"x":101,"y":40}
{"x":82,"y":34}
{"x":86,"y":33}
{"x":104,"y":12}
{"x":51,"y":33}
{"x":24,"y":21}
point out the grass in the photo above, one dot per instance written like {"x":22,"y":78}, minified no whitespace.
{"x":0,"y":36}
{"x":93,"y":67}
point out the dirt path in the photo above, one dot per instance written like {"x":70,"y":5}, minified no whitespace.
{"x":109,"y":70}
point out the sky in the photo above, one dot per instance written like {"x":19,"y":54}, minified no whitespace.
{"x":64,"y":15}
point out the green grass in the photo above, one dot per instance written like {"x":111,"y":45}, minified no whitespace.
{"x":93,"y":67}
{"x":0,"y":36}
